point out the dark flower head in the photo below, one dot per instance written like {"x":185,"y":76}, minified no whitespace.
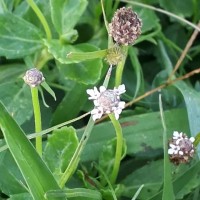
{"x":125,"y":26}
{"x":33,"y":77}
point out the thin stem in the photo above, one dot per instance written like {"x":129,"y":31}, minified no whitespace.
{"x":41,"y":18}
{"x":34,"y":135}
{"x":120,"y":68}
{"x":104,"y":16}
{"x":75,"y":159}
{"x":186,"y":49}
{"x":119,"y":147}
{"x":43,"y":57}
{"x":37,"y":116}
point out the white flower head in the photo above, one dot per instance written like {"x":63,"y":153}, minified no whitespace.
{"x":106,"y":101}
{"x":181,"y":148}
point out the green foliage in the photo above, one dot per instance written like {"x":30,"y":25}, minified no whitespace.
{"x":67,"y":40}
{"x":30,"y":164}
{"x":59,"y":149}
{"x":18,"y":37}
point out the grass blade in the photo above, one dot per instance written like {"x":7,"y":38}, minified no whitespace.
{"x":36,"y":174}
{"x":168,"y":192}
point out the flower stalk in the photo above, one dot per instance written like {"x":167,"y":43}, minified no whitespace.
{"x":33,"y":77}
{"x":37,"y":116}
{"x":119,"y":148}
{"x":120,"y":68}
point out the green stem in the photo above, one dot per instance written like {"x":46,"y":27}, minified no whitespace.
{"x":120,"y":68}
{"x":75,"y":159}
{"x":119,"y":147}
{"x":37,"y":116}
{"x":42,"y":59}
{"x":41,"y":18}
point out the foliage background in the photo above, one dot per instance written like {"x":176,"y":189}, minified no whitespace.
{"x":78,"y":26}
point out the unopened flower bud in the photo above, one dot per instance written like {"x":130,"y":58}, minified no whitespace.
{"x":181,"y":148}
{"x":125,"y":26}
{"x":114,"y":55}
{"x":33,"y":77}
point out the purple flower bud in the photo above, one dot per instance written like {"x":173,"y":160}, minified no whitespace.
{"x":33,"y":77}
{"x":125,"y":26}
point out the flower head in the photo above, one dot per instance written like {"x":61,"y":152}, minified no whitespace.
{"x":33,"y":77}
{"x":114,"y":55}
{"x":181,"y":148}
{"x":106,"y":101}
{"x":125,"y":26}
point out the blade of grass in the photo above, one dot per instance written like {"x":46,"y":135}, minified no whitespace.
{"x":36,"y":174}
{"x":75,"y":193}
{"x":168,"y":192}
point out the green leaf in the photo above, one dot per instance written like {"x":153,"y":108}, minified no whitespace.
{"x":191,"y":96}
{"x":11,"y":72}
{"x":59,"y":150}
{"x":11,"y":180}
{"x":65,"y":14}
{"x":48,"y":89}
{"x":185,"y":180}
{"x":76,"y":194}
{"x":107,"y":156}
{"x":178,"y":7}
{"x":17,"y":98}
{"x":138,"y":70}
{"x":151,"y":175}
{"x":149,"y":19}
{"x":143,"y":133}
{"x":192,"y":102}
{"x":88,"y":72}
{"x":71,"y":104}
{"x":18,"y":37}
{"x":36,"y":174}
{"x":21,"y":196}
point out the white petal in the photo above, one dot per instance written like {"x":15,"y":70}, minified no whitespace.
{"x":117,"y":110}
{"x":116,"y":115}
{"x":96,"y":113}
{"x":90,"y":92}
{"x":121,"y":104}
{"x":170,"y":151}
{"x":102,"y":89}
{"x":121,"y":89}
{"x":96,"y":103}
{"x":192,"y":139}
{"x":176,"y":134}
{"x":177,"y":141}
{"x":96,"y":91}
{"x":172,"y":146}
{"x":95,"y":117}
{"x":180,"y":152}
